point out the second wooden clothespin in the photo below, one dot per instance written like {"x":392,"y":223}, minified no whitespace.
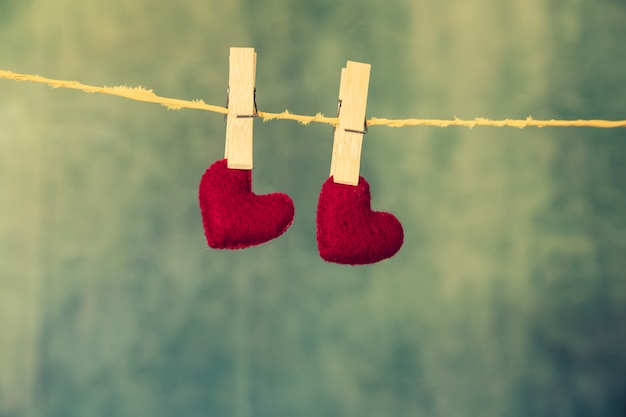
{"x":241,"y":108}
{"x":346,"y":159}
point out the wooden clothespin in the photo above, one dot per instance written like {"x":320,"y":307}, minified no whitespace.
{"x":346,"y":160}
{"x":241,"y":108}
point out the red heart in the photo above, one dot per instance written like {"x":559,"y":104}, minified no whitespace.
{"x":233,"y":216}
{"x":349,"y":232}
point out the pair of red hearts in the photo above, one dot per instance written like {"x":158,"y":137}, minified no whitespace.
{"x":348,"y":231}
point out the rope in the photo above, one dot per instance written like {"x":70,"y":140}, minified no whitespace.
{"x":145,"y":95}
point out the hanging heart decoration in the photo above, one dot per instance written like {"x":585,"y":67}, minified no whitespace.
{"x":349,"y":232}
{"x":233,"y":216}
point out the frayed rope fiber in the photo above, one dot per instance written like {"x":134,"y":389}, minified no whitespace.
{"x":142,"y":94}
{"x":233,"y":216}
{"x":349,"y":232}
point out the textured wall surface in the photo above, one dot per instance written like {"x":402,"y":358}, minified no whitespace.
{"x":508,"y":297}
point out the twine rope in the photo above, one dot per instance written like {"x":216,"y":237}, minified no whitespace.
{"x":145,"y":95}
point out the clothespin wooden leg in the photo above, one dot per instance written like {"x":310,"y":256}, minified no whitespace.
{"x":241,"y":108}
{"x":346,"y":159}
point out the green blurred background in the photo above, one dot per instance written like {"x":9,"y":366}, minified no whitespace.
{"x":508,"y":297}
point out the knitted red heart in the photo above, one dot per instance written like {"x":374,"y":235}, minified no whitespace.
{"x":349,"y":232}
{"x":233,"y":216}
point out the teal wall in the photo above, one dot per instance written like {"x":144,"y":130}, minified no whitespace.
{"x":508,"y":297}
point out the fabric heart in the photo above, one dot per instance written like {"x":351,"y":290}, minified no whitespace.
{"x":349,"y":232}
{"x":233,"y":216}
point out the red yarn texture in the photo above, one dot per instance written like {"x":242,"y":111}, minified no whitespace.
{"x":349,"y":232}
{"x":233,"y":216}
